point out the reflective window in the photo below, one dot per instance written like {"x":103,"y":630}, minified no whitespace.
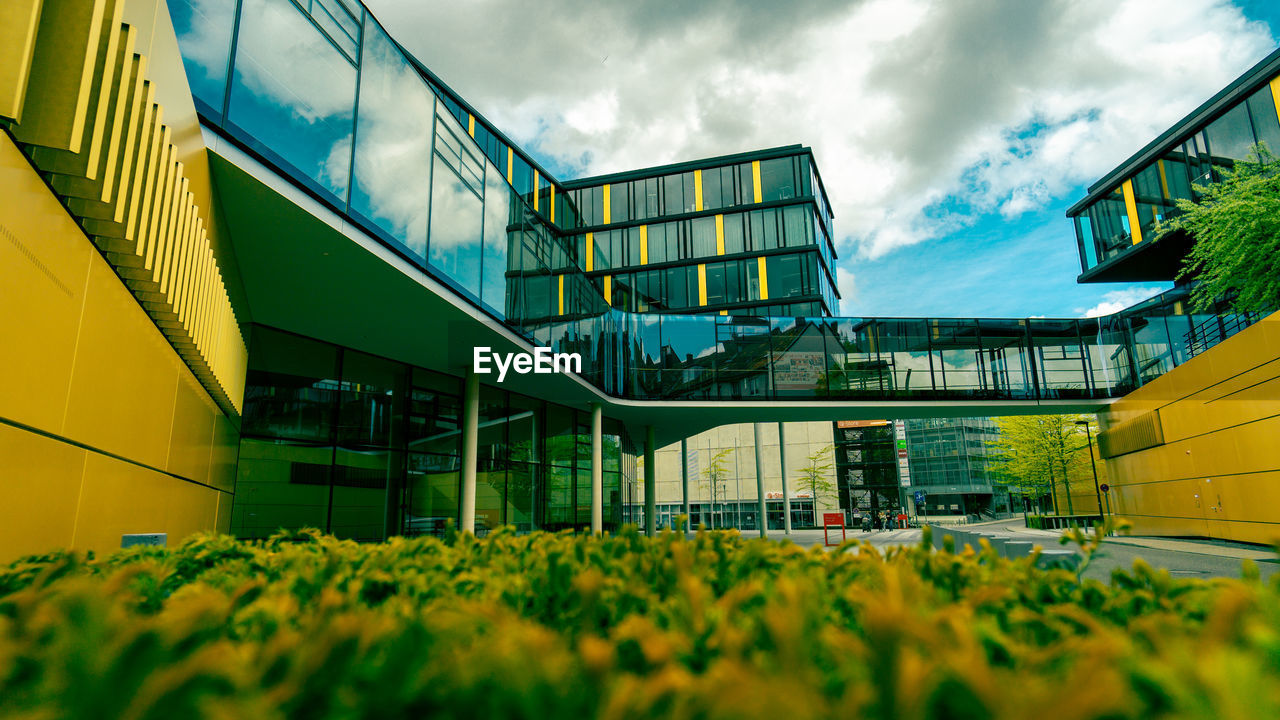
{"x":1231,"y":136}
{"x":704,"y":236}
{"x":498,"y":238}
{"x":392,"y":178}
{"x":204,"y":30}
{"x":456,"y":208}
{"x":777,"y":179}
{"x":1266,"y":125}
{"x":294,"y":92}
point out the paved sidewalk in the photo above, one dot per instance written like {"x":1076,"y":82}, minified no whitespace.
{"x":1215,"y":548}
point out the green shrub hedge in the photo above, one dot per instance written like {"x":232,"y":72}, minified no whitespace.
{"x":537,"y":626}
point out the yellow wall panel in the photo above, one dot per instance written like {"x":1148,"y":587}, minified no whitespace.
{"x":18,"y":22}
{"x":226,"y":446}
{"x":764,"y":278}
{"x":644,"y":244}
{"x":719,"y":234}
{"x":608,"y":210}
{"x":125,"y":375}
{"x":1131,"y":207}
{"x":39,"y":492}
{"x":191,"y":437}
{"x":44,"y":265}
{"x":1216,"y":475}
{"x":697,"y":190}
{"x":119,"y":498}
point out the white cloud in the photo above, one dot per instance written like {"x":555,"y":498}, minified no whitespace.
{"x":1118,"y":300}
{"x":911,"y":106}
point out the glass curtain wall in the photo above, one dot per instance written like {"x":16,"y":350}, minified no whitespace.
{"x":1103,"y":229}
{"x":366,"y":448}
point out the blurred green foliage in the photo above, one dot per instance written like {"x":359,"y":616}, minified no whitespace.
{"x":536,"y":626}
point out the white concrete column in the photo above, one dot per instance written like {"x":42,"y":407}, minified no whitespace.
{"x":786,"y":496}
{"x":650,"y":485}
{"x":684,"y":483}
{"x":470,"y":440}
{"x":764,"y":519}
{"x":597,"y":468}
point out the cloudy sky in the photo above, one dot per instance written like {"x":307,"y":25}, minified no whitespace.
{"x":951,"y":134}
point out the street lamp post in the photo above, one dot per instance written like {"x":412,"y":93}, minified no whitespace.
{"x":1093,"y":464}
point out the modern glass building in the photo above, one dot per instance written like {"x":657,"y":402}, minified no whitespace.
{"x":251,"y":244}
{"x":950,"y":464}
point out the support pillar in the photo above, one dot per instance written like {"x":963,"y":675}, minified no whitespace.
{"x":597,"y":468}
{"x":764,"y":520}
{"x":786,"y":496}
{"x":470,"y":440}
{"x":650,"y":485}
{"x":684,"y":484}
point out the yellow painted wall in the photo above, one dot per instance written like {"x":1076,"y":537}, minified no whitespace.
{"x":1218,"y":472}
{"x":103,"y":428}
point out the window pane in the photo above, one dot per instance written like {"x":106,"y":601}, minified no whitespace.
{"x":1262,"y":108}
{"x":1231,"y":136}
{"x":454,"y":243}
{"x":294,"y":92}
{"x":733,"y":238}
{"x":204,"y":34}
{"x":497,"y":241}
{"x":618,"y":210}
{"x":711,"y":189}
{"x":777,"y":181}
{"x":784,"y":276}
{"x":393,"y":144}
{"x":704,"y":236}
{"x":673,"y":194}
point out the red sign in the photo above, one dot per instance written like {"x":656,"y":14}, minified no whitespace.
{"x":828,"y":520}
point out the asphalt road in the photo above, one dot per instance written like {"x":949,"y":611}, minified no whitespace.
{"x":1191,"y":558}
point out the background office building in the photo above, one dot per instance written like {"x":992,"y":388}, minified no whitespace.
{"x":951,"y":464}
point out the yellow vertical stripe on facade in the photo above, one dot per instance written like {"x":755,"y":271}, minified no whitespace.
{"x":471,"y":125}
{"x":551,"y":200}
{"x":159,"y":214}
{"x":1164,"y":182}
{"x":644,"y":244}
{"x":62,"y":74}
{"x":510,"y":164}
{"x":149,"y":187}
{"x":720,"y":234}
{"x":1131,"y":207}
{"x":535,"y":190}
{"x":130,"y":80}
{"x":146,"y":134}
{"x":702,"y":284}
{"x":18,"y":22}
{"x":764,"y":279}
{"x":173,"y":213}
{"x":608,"y":289}
{"x":755,"y":180}
{"x":591,"y":251}
{"x":697,"y":190}
{"x":561,"y":311}
{"x":128,"y":159}
{"x":608,"y":211}
{"x":110,"y":82}
{"x":1275,"y":95}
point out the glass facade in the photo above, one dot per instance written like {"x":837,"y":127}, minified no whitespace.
{"x":949,"y":460}
{"x":866,"y":469}
{"x":365,"y":448}
{"x":1129,"y":214}
{"x":748,"y":237}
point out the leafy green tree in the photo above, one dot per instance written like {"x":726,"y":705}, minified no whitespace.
{"x":815,"y":476}
{"x":715,"y":478}
{"x":1236,"y":227}
{"x":1039,"y":453}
